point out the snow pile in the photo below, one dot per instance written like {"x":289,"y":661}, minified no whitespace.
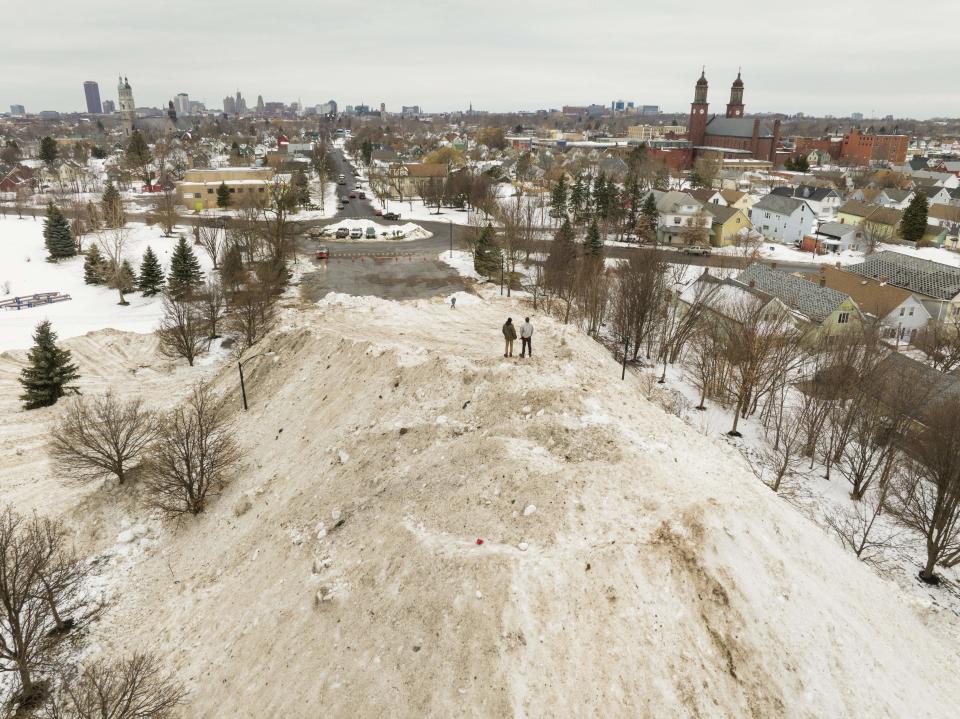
{"x":23,"y":264}
{"x":462,"y":262}
{"x":406,"y":231}
{"x":502,"y":537}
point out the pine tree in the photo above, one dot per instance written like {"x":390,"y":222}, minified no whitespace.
{"x":223,"y":196}
{"x":486,"y":254}
{"x":558,"y":198}
{"x":577,"y":198}
{"x":301,"y":187}
{"x":48,"y":150}
{"x":111,"y":206}
{"x":600,"y":197}
{"x":94,"y":266}
{"x":633,"y":201}
{"x":913,"y":224}
{"x":185,"y":274}
{"x":137,"y":156}
{"x":49,"y":373}
{"x":231,"y":271}
{"x":150,"y":280}
{"x":594,"y":243}
{"x":126,"y":280}
{"x":56,"y":235}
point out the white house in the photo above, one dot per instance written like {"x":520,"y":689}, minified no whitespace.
{"x":786,"y":219}
{"x":894,"y":197}
{"x":839,"y":237}
{"x":678,"y":210}
{"x":824,"y":201}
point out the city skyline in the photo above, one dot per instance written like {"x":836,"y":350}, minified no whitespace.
{"x":511,"y":57}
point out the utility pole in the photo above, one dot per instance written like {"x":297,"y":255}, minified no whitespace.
{"x":240,"y":364}
{"x":501,"y":275}
{"x":451,"y":237}
{"x":626,"y":348}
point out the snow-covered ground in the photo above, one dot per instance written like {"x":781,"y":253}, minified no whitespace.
{"x":23,"y":264}
{"x":462,"y":262}
{"x":415,"y":210}
{"x":776,"y":251}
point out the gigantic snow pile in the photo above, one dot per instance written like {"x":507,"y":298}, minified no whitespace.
{"x":423,"y":528}
{"x":405,"y":231}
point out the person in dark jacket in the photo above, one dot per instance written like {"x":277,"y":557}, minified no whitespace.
{"x":509,"y":334}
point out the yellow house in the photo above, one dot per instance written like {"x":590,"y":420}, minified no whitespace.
{"x":854,"y":212}
{"x":727,"y":223}
{"x":247,"y":186}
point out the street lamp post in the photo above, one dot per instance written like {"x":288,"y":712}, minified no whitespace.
{"x":451,"y":237}
{"x":240,"y":364}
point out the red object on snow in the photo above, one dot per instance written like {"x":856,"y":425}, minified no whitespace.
{"x":479,"y":541}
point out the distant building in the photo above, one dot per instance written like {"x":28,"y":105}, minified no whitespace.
{"x":48,"y":115}
{"x":649,"y":132}
{"x":109,"y":107}
{"x":181,"y":103}
{"x":410,"y":110}
{"x":260,"y":106}
{"x":91,"y":91}
{"x":649,"y":109}
{"x":17,"y":110}
{"x":229,"y":105}
{"x":618,"y":105}
{"x":241,"y":104}
{"x":327,"y":108}
{"x":128,"y":109}
{"x":273,"y":108}
{"x":858,"y":147}
{"x":247,"y":186}
{"x":856,"y":116}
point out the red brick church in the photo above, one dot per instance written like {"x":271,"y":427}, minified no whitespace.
{"x":733,"y":134}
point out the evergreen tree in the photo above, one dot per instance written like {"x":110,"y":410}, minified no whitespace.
{"x":560,"y":268}
{"x":126,"y":280}
{"x":486,"y":254}
{"x":301,"y":188}
{"x":231,"y":271}
{"x":633,"y":201}
{"x":558,"y":198}
{"x":56,"y":234}
{"x":49,"y":372}
{"x":223,"y":196}
{"x":913,"y":224}
{"x":649,"y":209}
{"x":578,"y":198}
{"x":137,"y":156}
{"x":185,"y":274}
{"x":112,"y":206}
{"x":48,"y":150}
{"x":150,"y":280}
{"x":94,"y":266}
{"x":594,"y":242}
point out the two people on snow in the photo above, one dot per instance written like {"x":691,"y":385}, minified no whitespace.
{"x":526,"y":337}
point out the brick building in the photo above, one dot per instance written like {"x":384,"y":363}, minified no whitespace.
{"x":859,"y":147}
{"x":733,"y":134}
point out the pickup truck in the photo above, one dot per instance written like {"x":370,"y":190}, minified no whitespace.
{"x":697,"y":250}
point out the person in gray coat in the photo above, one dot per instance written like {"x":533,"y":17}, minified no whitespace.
{"x":526,"y":338}
{"x":509,"y":334}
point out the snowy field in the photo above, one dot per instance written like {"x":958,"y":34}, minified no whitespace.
{"x":782,"y":253}
{"x":23,"y":264}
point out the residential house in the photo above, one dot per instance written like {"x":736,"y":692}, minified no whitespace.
{"x":935,"y":195}
{"x":947,"y":216}
{"x":741,"y":200}
{"x":727,"y":224}
{"x":894,"y":197}
{"x":834,"y":237}
{"x":678,"y":210}
{"x":935,"y":284}
{"x":824,"y":201}
{"x":825,"y":311}
{"x":20,"y":178}
{"x":708,"y":196}
{"x":786,"y":219}
{"x":932,"y":177}
{"x":405,"y":179}
{"x":897,"y":310}
{"x":865,"y":194}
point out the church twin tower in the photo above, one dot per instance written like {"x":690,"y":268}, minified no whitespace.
{"x":698,"y":108}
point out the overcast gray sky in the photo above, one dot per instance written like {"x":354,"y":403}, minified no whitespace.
{"x":882,"y":56}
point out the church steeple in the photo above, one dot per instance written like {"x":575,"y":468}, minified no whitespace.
{"x":735,"y":106}
{"x":697,"y":127}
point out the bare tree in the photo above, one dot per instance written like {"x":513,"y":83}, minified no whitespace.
{"x":781,"y":455}
{"x":926,"y":498}
{"x":101,"y":435}
{"x":194,"y":456}
{"x":212,"y":300}
{"x":134,"y":688}
{"x":40,"y":597}
{"x":940,"y":341}
{"x":639,"y":298}
{"x":183,"y":328}
{"x":113,"y":241}
{"x":212,"y":240}
{"x":858,"y":527}
{"x":166,"y":212}
{"x":251,"y":316}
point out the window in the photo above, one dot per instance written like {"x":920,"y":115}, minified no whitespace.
{"x":209,"y":190}
{"x":843,"y":318}
{"x":766,"y":215}
{"x":676,"y":220}
{"x":196,"y":194}
{"x":233,"y":190}
{"x":902,"y":310}
{"x":260,"y":190}
{"x":911,"y":311}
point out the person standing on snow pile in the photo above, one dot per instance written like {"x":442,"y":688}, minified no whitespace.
{"x":453,"y":302}
{"x":509,"y":334}
{"x":526,"y":335}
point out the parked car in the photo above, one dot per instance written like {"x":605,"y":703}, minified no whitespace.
{"x":356,"y":233}
{"x":353,"y":195}
{"x":362,"y":195}
{"x":371,"y":232}
{"x":344,"y":200}
{"x":342,"y":180}
{"x":378,"y":213}
{"x":391,"y":215}
{"x":697,"y":250}
{"x":342,"y":232}
{"x":323,"y":253}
